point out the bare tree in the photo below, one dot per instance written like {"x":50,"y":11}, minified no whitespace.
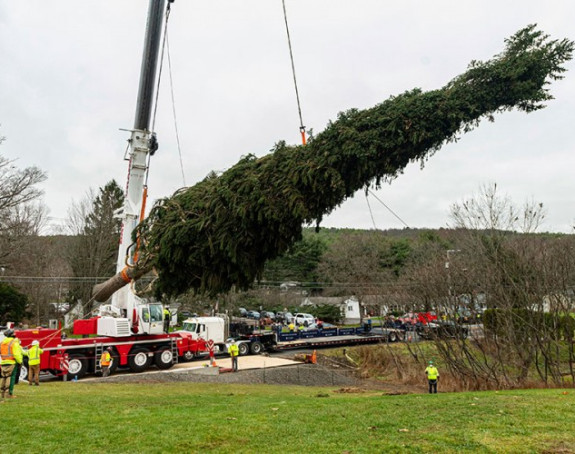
{"x":20,"y":213}
{"x":96,"y":231}
{"x":525,"y":338}
{"x":489,"y":211}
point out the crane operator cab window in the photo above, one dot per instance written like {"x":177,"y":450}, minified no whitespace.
{"x":152,"y":313}
{"x":156,"y":312}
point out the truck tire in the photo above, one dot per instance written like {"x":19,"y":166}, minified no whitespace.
{"x":77,"y":366}
{"x":115,"y":361}
{"x":139,"y":359}
{"x":244,"y":349}
{"x":256,"y":348}
{"x":392,"y":337}
{"x":188,"y":356}
{"x":164,"y":358}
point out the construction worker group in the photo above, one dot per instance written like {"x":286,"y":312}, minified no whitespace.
{"x":11,"y":358}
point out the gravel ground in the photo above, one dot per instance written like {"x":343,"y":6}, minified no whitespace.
{"x":300,"y":374}
{"x":326,"y":373}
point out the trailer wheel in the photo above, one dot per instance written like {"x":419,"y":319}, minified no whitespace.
{"x":139,"y":359}
{"x":243,"y":348}
{"x":392,"y":337}
{"x":164,"y":358}
{"x":77,"y":366}
{"x":256,"y":348}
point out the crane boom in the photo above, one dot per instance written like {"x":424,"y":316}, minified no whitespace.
{"x":141,"y":317}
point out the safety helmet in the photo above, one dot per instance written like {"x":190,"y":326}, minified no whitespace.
{"x":9,"y":332}
{"x":110,"y":349}
{"x":35,"y":342}
{"x":431,"y":363}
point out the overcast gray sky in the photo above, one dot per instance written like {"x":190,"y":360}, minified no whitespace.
{"x":69,"y":79}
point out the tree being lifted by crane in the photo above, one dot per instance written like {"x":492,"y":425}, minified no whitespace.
{"x":218,"y":234}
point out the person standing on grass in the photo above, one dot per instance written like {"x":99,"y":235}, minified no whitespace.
{"x":34,"y":353}
{"x":106,"y":361}
{"x":234,"y":351}
{"x":432,"y":377}
{"x":11,"y":356}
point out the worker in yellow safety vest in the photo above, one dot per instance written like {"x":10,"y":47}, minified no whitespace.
{"x":10,"y":356}
{"x":167,"y":318}
{"x":33,"y":354}
{"x":432,"y":377}
{"x":234,"y":351}
{"x":106,"y":361}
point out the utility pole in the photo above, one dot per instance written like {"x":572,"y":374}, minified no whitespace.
{"x":450,"y":299}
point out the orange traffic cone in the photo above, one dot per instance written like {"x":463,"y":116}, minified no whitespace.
{"x":314,"y":357}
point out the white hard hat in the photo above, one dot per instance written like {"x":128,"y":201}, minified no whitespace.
{"x":35,"y":342}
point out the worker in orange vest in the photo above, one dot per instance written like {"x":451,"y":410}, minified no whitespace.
{"x":105,"y":361}
{"x":10,"y":356}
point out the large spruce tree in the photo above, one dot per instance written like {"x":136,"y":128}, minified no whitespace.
{"x":219,"y":233}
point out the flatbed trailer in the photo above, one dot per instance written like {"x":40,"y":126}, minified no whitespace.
{"x":250,"y":339}
{"x":336,"y":336}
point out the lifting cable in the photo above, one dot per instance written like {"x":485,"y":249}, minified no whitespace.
{"x":301,"y":127}
{"x":369,"y":191}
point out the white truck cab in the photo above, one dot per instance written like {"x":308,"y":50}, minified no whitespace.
{"x":207,"y":328}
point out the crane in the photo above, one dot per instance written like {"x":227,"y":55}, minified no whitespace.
{"x":129,"y":314}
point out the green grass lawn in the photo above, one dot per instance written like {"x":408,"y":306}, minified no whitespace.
{"x":191,"y":417}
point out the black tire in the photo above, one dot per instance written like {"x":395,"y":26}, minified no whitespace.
{"x":244,"y":349}
{"x":256,"y":348}
{"x":77,"y":366}
{"x":164,"y":358}
{"x":115,"y":361}
{"x":139,"y":359}
{"x":392,"y":337}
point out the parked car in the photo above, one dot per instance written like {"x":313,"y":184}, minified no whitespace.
{"x":269,"y":314}
{"x":413,"y":318}
{"x":442,"y":330}
{"x":243,"y":312}
{"x":253,"y":314}
{"x":284,"y":317}
{"x":304,"y":319}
